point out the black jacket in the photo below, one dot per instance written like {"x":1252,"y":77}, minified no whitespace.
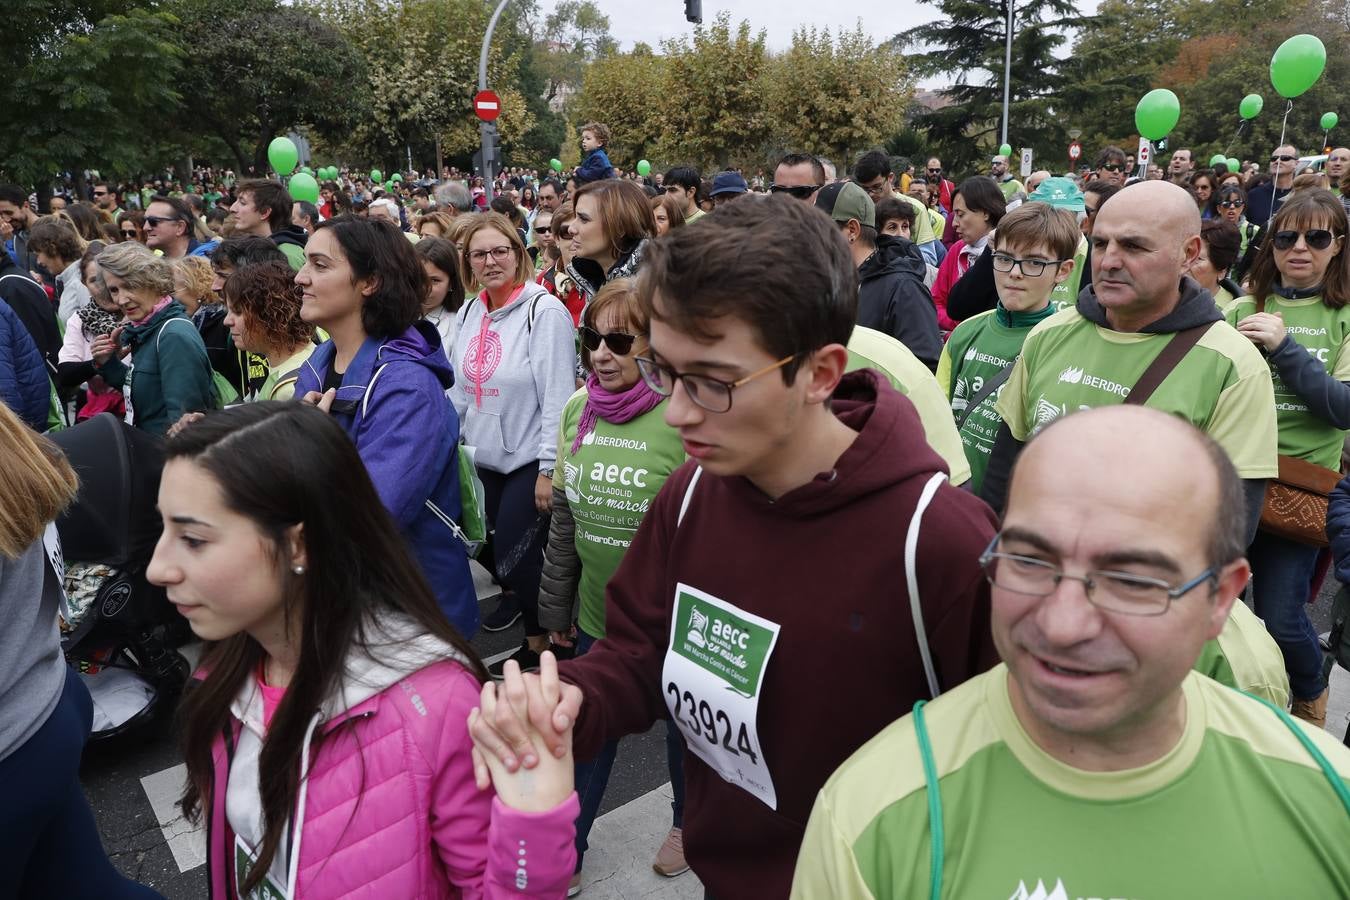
{"x":290,"y":234}
{"x":33,"y":308}
{"x":892,"y":298}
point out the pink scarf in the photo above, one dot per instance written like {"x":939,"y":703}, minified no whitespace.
{"x":613,"y":408}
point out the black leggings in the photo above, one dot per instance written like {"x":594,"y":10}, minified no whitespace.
{"x":519,"y":534}
{"x":49,"y":844}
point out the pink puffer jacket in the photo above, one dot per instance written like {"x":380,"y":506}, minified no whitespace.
{"x":390,"y":810}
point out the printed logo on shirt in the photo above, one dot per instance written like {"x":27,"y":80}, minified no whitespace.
{"x":1075,"y":375}
{"x":1304,"y":329}
{"x":1071,"y":375}
{"x":1047,"y":412}
{"x":1040,"y":892}
{"x":483,"y":356}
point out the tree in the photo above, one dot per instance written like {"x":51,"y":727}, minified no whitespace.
{"x":835,"y":96}
{"x":712,"y":99}
{"x":625,"y":92}
{"x":572,"y":37}
{"x":970,"y":42}
{"x":84,"y":99}
{"x":259,"y":69}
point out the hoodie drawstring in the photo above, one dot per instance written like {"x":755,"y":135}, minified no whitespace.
{"x":300,"y":806}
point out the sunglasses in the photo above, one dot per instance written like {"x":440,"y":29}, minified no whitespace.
{"x":619,"y":342}
{"x":937,"y":171}
{"x":100,"y":193}
{"x":798,"y":191}
{"x":153,"y":221}
{"x":1114,"y":167}
{"x":1316,"y":238}
{"x":131,"y":233}
{"x":1279,"y":158}
{"x":1232,"y":204}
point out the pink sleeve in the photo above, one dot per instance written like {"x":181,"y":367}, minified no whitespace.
{"x":478,"y":838}
{"x":946,"y":277}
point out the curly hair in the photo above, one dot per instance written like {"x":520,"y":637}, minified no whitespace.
{"x":196,"y":275}
{"x":266,"y":296}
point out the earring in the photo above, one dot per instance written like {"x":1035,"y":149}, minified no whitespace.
{"x":299,"y":570}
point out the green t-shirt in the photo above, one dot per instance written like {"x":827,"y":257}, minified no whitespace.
{"x":1065,"y":294}
{"x":1222,"y":386}
{"x":610,"y":482}
{"x":295,"y":255}
{"x":978,"y":349}
{"x":279,"y":383}
{"x":870,"y":349}
{"x":1325,"y":334}
{"x":1010,"y":187}
{"x":923,"y":223}
{"x":1238,"y":809}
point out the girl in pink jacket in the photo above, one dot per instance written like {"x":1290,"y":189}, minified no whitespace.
{"x":326,"y":739}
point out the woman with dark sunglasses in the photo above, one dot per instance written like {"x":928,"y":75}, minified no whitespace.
{"x":132,"y":226}
{"x":1298,"y":316}
{"x":614,"y":453}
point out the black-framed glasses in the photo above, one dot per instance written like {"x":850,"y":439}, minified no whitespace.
{"x":1032,"y":268}
{"x":1316,"y":238}
{"x":129,"y":232}
{"x":1114,"y":167}
{"x":1117,"y":592}
{"x":500,"y":254}
{"x":712,"y":394}
{"x":937,"y":171}
{"x":796,"y":191}
{"x":154,"y":221}
{"x":620,"y":343}
{"x":1232,"y":204}
{"x":100,"y":193}
{"x":1281,"y":157}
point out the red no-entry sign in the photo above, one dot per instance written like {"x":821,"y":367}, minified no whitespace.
{"x":487,"y":106}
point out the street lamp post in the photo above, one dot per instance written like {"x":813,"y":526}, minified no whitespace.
{"x":1007,"y":71}
{"x":487,"y":131}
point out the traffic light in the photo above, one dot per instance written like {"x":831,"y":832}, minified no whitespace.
{"x":693,"y":11}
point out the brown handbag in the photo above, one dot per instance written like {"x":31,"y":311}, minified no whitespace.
{"x":1296,"y":500}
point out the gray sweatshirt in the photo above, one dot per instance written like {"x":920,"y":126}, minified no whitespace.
{"x":514,"y":371}
{"x":32,"y":670}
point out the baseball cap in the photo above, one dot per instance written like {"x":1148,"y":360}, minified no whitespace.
{"x":728,"y":183}
{"x":1060,"y":193}
{"x":845,"y":200}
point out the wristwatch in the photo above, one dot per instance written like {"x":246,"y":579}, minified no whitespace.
{"x":546,"y":472}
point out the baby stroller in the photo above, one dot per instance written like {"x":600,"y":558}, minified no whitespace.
{"x":121,"y":634}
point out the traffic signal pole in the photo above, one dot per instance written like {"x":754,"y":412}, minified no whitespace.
{"x":487,"y":131}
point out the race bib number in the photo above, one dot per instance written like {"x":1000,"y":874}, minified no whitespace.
{"x":712,"y":675}
{"x":243,"y":864}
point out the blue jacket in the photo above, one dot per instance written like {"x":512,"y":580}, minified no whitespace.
{"x":1338,"y":529}
{"x":24,"y":387}
{"x":393,"y":406}
{"x":595,"y":167}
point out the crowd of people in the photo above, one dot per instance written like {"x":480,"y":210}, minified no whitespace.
{"x":945,"y":523}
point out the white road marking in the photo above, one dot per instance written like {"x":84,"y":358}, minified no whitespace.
{"x":186,"y":842}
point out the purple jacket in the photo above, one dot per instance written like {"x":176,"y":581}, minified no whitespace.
{"x":392,"y":403}
{"x":388,"y":807}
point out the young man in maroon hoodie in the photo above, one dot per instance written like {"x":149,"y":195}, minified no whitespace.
{"x":783,"y":600}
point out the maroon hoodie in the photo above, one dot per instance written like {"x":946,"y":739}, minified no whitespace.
{"x":823,"y":568}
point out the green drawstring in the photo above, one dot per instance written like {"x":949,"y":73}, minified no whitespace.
{"x":935,"y":841}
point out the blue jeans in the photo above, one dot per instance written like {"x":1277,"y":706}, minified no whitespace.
{"x":49,"y":844}
{"x":1282,"y":574}
{"x":593,"y":776}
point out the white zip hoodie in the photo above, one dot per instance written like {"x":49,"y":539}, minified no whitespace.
{"x":398,"y":648}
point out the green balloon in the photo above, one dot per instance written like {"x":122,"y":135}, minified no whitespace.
{"x":1250,"y":107}
{"x":304,"y":187}
{"x":1005,"y":149}
{"x":376,"y":176}
{"x":1297,"y":65}
{"x":396,"y":177}
{"x":1218,"y":159}
{"x":1233,"y":164}
{"x":644,"y":168}
{"x":330,"y":173}
{"x":555,"y":165}
{"x":283,"y":156}
{"x":307,"y":170}
{"x":1157,"y":114}
{"x":1329,"y":121}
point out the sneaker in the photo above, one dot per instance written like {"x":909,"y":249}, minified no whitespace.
{"x":528,"y":661}
{"x":504,"y":616}
{"x":670,"y":858}
{"x":574,"y":886}
{"x":1314,"y":712}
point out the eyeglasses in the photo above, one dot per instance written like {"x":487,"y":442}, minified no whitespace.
{"x":154,"y":221}
{"x":1282,"y":158}
{"x":937,"y":171}
{"x":129,"y":232}
{"x":796,"y":191}
{"x":713,"y":394}
{"x":500,"y":254}
{"x":1032,"y":268}
{"x":1316,"y":238}
{"x":1232,"y":204}
{"x":1114,"y":167}
{"x":619,"y":342}
{"x":100,"y":193}
{"x":1117,"y":592}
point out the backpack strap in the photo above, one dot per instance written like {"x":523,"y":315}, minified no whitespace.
{"x":1163,"y":364}
{"x":534,"y":308}
{"x":1334,"y":777}
{"x":912,"y":579}
{"x":985,"y":390}
{"x":936,"y":839}
{"x":285,"y":378}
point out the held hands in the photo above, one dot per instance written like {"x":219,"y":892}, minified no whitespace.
{"x":323,"y":401}
{"x":106,"y":346}
{"x":520,"y":721}
{"x":543,"y":493}
{"x":528,"y":718}
{"x":1264,"y":330}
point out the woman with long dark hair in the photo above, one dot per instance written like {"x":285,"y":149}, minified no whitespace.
{"x":384,"y":376}
{"x":1297,"y":314}
{"x":326,"y":740}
